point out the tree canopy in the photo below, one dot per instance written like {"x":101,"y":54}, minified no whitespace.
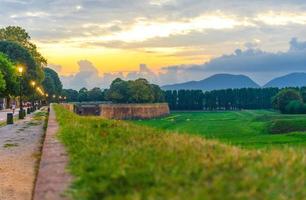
{"x":72,"y":95}
{"x":138,"y":91}
{"x":95,"y":94}
{"x":2,"y":82}
{"x":8,"y":79}
{"x":20,"y":36}
{"x":52,"y":83}
{"x":226,"y":99}
{"x":20,"y":55}
{"x":288,"y":101}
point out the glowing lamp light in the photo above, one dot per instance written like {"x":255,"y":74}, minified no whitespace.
{"x":20,"y":70}
{"x":33,"y":83}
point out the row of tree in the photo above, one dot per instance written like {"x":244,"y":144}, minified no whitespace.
{"x":16,"y":49}
{"x":120,"y":91}
{"x":84,"y":95}
{"x":228,"y":99}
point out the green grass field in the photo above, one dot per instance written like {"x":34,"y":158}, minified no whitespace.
{"x":121,"y":160}
{"x":254,"y":129}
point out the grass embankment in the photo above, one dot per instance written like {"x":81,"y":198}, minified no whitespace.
{"x":120,"y":160}
{"x":251,"y":129}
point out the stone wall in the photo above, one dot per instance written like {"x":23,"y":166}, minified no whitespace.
{"x":134,"y":111}
{"x":120,"y":111}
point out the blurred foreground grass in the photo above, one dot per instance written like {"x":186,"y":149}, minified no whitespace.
{"x":121,"y":160}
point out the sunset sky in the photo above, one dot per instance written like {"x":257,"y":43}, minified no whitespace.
{"x":90,"y":42}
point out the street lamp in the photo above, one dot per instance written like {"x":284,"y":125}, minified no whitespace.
{"x":60,"y":99}
{"x":47,"y":98}
{"x":33,"y":83}
{"x":20,"y":72}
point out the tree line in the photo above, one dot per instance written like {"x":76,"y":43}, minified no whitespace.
{"x":17,"y":51}
{"x":120,"y":91}
{"x":226,"y":99}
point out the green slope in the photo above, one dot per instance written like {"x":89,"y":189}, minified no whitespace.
{"x":120,"y":160}
{"x":244,"y":128}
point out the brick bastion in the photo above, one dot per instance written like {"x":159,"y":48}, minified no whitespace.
{"x":121,"y":111}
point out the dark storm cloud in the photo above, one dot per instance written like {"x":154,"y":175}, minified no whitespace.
{"x":256,"y":63}
{"x":256,"y":60}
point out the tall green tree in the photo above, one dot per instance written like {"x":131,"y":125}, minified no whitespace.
{"x":8,"y":80}
{"x":95,"y":94}
{"x":141,"y":91}
{"x":52,"y":83}
{"x":2,"y":82}
{"x":119,"y":91}
{"x":138,"y":91}
{"x":20,"y":36}
{"x":83,"y":95}
{"x":72,"y":95}
{"x":159,"y":95}
{"x":20,"y":56}
{"x":284,"y":97}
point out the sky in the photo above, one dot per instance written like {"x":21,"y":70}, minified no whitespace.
{"x":91,"y":42}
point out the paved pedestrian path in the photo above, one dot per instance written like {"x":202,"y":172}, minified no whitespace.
{"x":20,"y":147}
{"x":53,"y":179}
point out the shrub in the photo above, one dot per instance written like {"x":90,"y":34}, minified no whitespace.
{"x":284,"y":97}
{"x":295,"y":107}
{"x":281,"y":126}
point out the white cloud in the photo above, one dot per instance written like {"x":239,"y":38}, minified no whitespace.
{"x":282,"y":18}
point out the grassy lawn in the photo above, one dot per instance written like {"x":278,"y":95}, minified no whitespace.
{"x":255,"y":129}
{"x":121,"y":160}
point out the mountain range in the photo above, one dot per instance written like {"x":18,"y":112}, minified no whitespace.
{"x":225,"y":81}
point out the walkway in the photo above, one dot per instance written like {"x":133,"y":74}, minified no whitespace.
{"x":19,"y":152}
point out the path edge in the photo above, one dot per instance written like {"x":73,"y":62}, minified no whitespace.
{"x":52,"y":178}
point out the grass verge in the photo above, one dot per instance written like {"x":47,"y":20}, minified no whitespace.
{"x":121,"y":160}
{"x":250,"y":129}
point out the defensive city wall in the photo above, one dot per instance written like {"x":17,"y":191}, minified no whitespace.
{"x":121,"y":111}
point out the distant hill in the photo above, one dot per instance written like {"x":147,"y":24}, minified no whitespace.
{"x":290,"y":80}
{"x":216,"y":82}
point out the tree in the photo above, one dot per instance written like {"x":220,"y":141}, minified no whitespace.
{"x":95,"y":94}
{"x":2,"y":82}
{"x":19,"y":55}
{"x":8,"y":79}
{"x":284,"y":97}
{"x":138,"y":91}
{"x":20,"y":36}
{"x":83,"y":95}
{"x":119,"y":91}
{"x":295,"y":107}
{"x":159,"y":95}
{"x":72,"y":95}
{"x":52,"y":84}
{"x":141,"y":91}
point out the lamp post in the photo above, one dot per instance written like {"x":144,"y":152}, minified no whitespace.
{"x":33,"y":83}
{"x":47,"y":99}
{"x":54,"y":98}
{"x":20,"y":72}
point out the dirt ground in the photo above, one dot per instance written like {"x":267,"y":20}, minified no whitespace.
{"x":20,"y":146}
